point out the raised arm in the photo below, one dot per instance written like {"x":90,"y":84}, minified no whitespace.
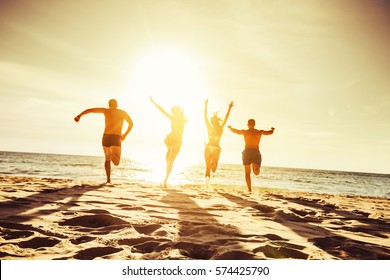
{"x":129,"y":127}
{"x":206,"y":119}
{"x":160,"y":108}
{"x":92,"y":110}
{"x":237,"y":131}
{"x":231,"y":104}
{"x":268,"y":132}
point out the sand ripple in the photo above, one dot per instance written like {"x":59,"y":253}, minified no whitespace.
{"x":62,"y":219}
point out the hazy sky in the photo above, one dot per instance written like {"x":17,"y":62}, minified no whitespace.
{"x":316,"y":70}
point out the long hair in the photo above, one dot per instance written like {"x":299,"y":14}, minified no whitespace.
{"x":216,"y":122}
{"x":178,"y":112}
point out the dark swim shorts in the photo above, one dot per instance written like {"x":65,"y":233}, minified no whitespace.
{"x":251,"y":156}
{"x":111,"y":140}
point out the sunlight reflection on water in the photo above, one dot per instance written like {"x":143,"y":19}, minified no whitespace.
{"x":90,"y":168}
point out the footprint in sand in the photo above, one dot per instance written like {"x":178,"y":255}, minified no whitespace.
{"x":302,"y":213}
{"x":39,"y":242}
{"x":134,"y":241}
{"x":234,"y":255}
{"x":146,"y":229}
{"x":281,"y":252}
{"x":264,"y":208}
{"x":95,"y":221}
{"x":371,"y":230}
{"x":343,"y":247}
{"x":82,"y":239}
{"x":361,"y":213}
{"x":196,"y":251}
{"x":16,"y":226}
{"x":273,"y":237}
{"x":146,"y":244}
{"x":211,"y":252}
{"x":15,"y":234}
{"x":150,"y":247}
{"x":161,"y":233}
{"x":91,"y":253}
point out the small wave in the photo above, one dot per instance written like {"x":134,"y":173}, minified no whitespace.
{"x":81,"y":164}
{"x":139,"y":169}
{"x":7,"y":173}
{"x":302,"y":181}
{"x":27,"y":171}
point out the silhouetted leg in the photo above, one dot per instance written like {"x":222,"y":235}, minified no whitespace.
{"x":248,"y":177}
{"x":207,"y":157}
{"x":170,"y":159}
{"x":107,"y":167}
{"x":107,"y":163}
{"x":116,"y":155}
{"x":214,"y":159}
{"x":256,"y":168}
{"x":169,"y":166}
{"x":207,"y":182}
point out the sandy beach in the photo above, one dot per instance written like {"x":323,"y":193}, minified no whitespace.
{"x":45,"y":218}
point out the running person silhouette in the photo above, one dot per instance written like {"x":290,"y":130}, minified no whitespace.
{"x":251,"y":156}
{"x":112,"y":137}
{"x":212,"y":150}
{"x":173,"y":141}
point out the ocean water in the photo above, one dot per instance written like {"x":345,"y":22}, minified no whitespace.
{"x":90,"y":168}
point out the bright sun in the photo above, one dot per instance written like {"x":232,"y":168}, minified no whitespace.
{"x":170,"y":74}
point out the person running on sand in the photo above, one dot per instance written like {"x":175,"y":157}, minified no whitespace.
{"x":212,"y":150}
{"x":251,"y":156}
{"x":173,"y":140}
{"x":112,"y":136}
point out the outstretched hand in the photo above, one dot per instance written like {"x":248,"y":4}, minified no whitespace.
{"x":231,"y":104}
{"x":77,"y":118}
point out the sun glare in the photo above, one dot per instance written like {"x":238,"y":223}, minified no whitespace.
{"x":169,"y":74}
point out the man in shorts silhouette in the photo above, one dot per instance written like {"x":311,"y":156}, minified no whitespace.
{"x":112,"y":136}
{"x":251,"y":156}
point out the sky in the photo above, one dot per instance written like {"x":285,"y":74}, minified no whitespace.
{"x":317,"y":71}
